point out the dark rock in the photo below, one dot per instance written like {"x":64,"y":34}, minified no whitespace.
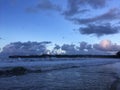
{"x":17,"y":71}
{"x":2,"y":73}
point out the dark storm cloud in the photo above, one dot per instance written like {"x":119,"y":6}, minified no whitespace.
{"x":44,"y":5}
{"x":99,"y":30}
{"x":112,"y":14}
{"x":76,"y":6}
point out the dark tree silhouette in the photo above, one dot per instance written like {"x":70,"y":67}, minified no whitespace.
{"x":118,"y":53}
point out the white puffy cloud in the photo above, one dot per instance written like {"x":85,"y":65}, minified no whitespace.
{"x":107,"y":45}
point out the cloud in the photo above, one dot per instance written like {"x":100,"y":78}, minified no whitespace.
{"x":96,"y":3}
{"x":73,"y":12}
{"x":48,"y":5}
{"x":26,"y":48}
{"x":99,"y":30}
{"x":69,"y":49}
{"x":86,"y":48}
{"x":97,"y":25}
{"x":83,"y":48}
{"x":45,"y":42}
{"x":73,"y":8}
{"x":57,"y":47}
{"x":83,"y":45}
{"x":79,"y":6}
{"x":112,"y":14}
{"x":106,"y":45}
{"x":44,"y":5}
{"x":37,"y":48}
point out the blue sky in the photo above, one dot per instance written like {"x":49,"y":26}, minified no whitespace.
{"x":59,"y":21}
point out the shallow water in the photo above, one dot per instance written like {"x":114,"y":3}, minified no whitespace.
{"x":83,"y":78}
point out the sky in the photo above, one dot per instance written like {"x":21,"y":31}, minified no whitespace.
{"x":70,"y":24}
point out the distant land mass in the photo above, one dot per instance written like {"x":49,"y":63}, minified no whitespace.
{"x":64,"y":56}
